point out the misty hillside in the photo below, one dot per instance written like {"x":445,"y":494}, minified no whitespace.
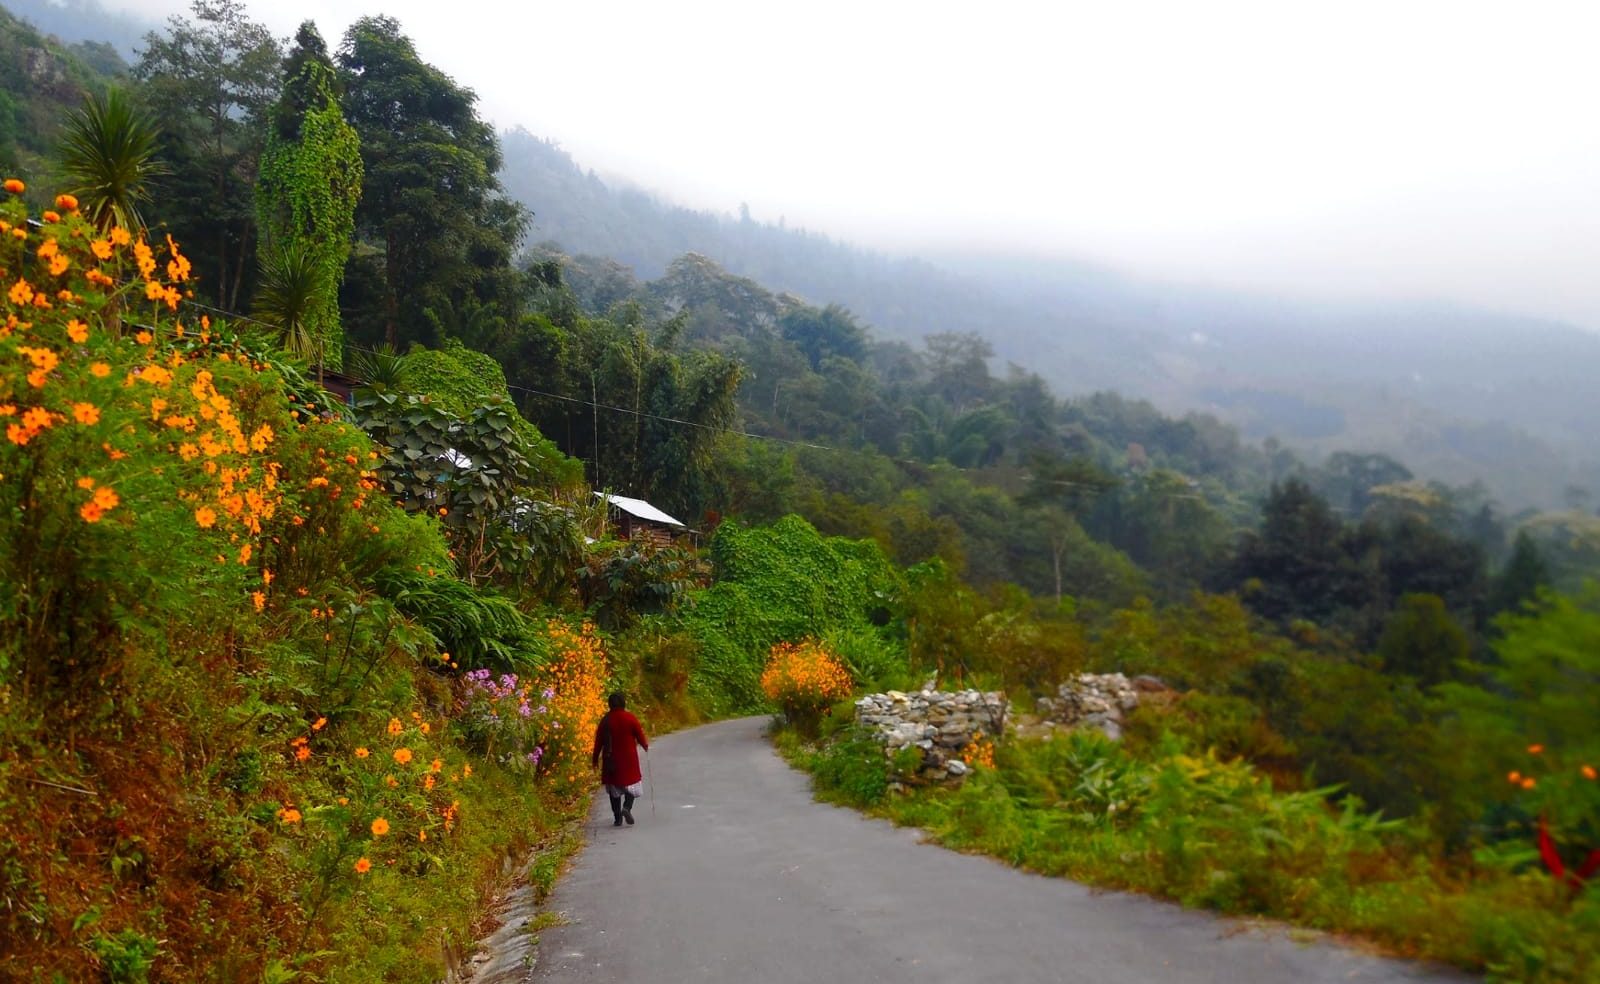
{"x":1458,"y":394}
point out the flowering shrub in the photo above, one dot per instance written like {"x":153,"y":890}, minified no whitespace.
{"x":575,"y":677}
{"x":803,"y":679}
{"x":979,"y":752}
{"x":504,"y":717}
{"x":150,"y":456}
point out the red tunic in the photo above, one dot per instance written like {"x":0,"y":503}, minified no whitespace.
{"x":624,"y":759}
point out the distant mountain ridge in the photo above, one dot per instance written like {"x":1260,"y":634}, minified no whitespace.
{"x":1458,"y":394}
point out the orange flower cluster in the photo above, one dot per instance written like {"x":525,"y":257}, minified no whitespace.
{"x":979,"y":752}
{"x":573,"y":687}
{"x":804,"y":674}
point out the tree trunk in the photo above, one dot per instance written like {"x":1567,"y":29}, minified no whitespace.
{"x":391,"y":302}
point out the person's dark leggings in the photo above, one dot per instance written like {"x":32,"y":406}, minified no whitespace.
{"x":622,"y":806}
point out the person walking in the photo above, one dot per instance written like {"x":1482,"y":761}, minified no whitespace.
{"x":617,"y":740}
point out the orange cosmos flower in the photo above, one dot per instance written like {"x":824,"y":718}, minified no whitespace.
{"x":319,"y":724}
{"x":428,"y":781}
{"x":302,"y":753}
{"x":101,"y":249}
{"x":1528,"y":783}
{"x":402,"y":755}
{"x":90,"y":512}
{"x":106,"y":498}
{"x":206,"y":517}
{"x":86,"y":413}
{"x":1588,"y":772}
{"x":66,"y":203}
{"x":380,"y":827}
{"x":395,"y":727}
{"x":99,"y":370}
{"x":244,"y":553}
{"x":77,"y":331}
{"x":50,"y":216}
{"x":363,"y":866}
{"x":21,"y":293}
{"x":390,"y":781}
{"x":289,"y":815}
{"x":1514,"y":777}
{"x":362,"y":753}
{"x":86,"y":482}
{"x":1535,"y":749}
{"x":15,"y":186}
{"x":259,"y":600}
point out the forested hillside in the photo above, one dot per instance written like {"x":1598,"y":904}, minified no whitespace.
{"x":1460,"y":395}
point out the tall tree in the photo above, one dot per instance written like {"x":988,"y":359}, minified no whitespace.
{"x":431,"y":205}
{"x":211,"y":82}
{"x":306,"y":200}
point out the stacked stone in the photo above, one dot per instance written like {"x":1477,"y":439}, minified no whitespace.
{"x":1096,"y":700}
{"x":939,"y":723}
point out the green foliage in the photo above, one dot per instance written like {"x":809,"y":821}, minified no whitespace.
{"x":108,"y":157}
{"x":774,"y":584}
{"x":294,"y":295}
{"x":462,"y":381}
{"x":619,"y":582}
{"x":211,"y":79}
{"x":1422,"y":641}
{"x":125,"y":957}
{"x":430,"y":211}
{"x":1216,"y":834}
{"x":471,"y":627}
{"x":476,"y":474}
{"x":310,"y":182}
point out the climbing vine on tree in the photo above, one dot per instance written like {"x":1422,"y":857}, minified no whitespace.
{"x":310,"y":185}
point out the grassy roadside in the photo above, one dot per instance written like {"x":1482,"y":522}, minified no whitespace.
{"x":1217,"y":835}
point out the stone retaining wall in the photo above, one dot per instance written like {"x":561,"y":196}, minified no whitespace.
{"x":940,"y":723}
{"x":1097,"y":700}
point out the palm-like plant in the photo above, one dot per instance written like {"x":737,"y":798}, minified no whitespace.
{"x":293,"y":296}
{"x":108,"y":152}
{"x":382,"y":369}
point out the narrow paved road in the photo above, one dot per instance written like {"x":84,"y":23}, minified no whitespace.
{"x":740,"y":877}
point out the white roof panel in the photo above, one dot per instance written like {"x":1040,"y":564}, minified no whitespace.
{"x":639,"y":509}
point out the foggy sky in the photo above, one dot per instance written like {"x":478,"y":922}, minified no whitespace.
{"x":1399,"y":149}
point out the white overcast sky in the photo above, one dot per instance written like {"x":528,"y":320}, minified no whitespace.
{"x":1406,"y":149}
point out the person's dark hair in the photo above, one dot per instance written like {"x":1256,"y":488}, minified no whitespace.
{"x":617,"y":701}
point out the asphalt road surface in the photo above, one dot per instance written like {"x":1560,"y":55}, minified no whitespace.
{"x":738,"y":876}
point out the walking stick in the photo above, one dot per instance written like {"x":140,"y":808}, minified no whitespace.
{"x":652,"y":783}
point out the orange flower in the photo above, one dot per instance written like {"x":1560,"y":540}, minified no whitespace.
{"x":422,"y":835}
{"x":362,"y":753}
{"x":395,"y":727}
{"x":390,"y":781}
{"x":363,"y":866}
{"x":86,"y":482}
{"x":106,"y":498}
{"x":15,"y":187}
{"x":1535,"y":749}
{"x":21,"y":293}
{"x":86,"y":413}
{"x":380,"y":827}
{"x":101,"y":249}
{"x":319,"y":724}
{"x":50,"y":216}
{"x":289,"y":815}
{"x":344,"y":801}
{"x":120,"y":236}
{"x":66,"y":203}
{"x":99,"y":370}
{"x":1514,"y":777}
{"x":77,"y":331}
{"x":90,"y":512}
{"x":206,"y":517}
{"x":259,"y":600}
{"x":302,"y":753}
{"x":244,"y":553}
{"x":1588,"y":772}
{"x":437,"y":765}
{"x":1528,"y":783}
{"x":402,"y":755}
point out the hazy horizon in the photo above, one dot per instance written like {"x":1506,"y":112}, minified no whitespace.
{"x":1431,"y":152}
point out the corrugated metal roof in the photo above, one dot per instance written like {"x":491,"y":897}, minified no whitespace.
{"x":639,"y":508}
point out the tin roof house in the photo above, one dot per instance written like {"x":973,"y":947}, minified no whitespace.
{"x":636,"y":517}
